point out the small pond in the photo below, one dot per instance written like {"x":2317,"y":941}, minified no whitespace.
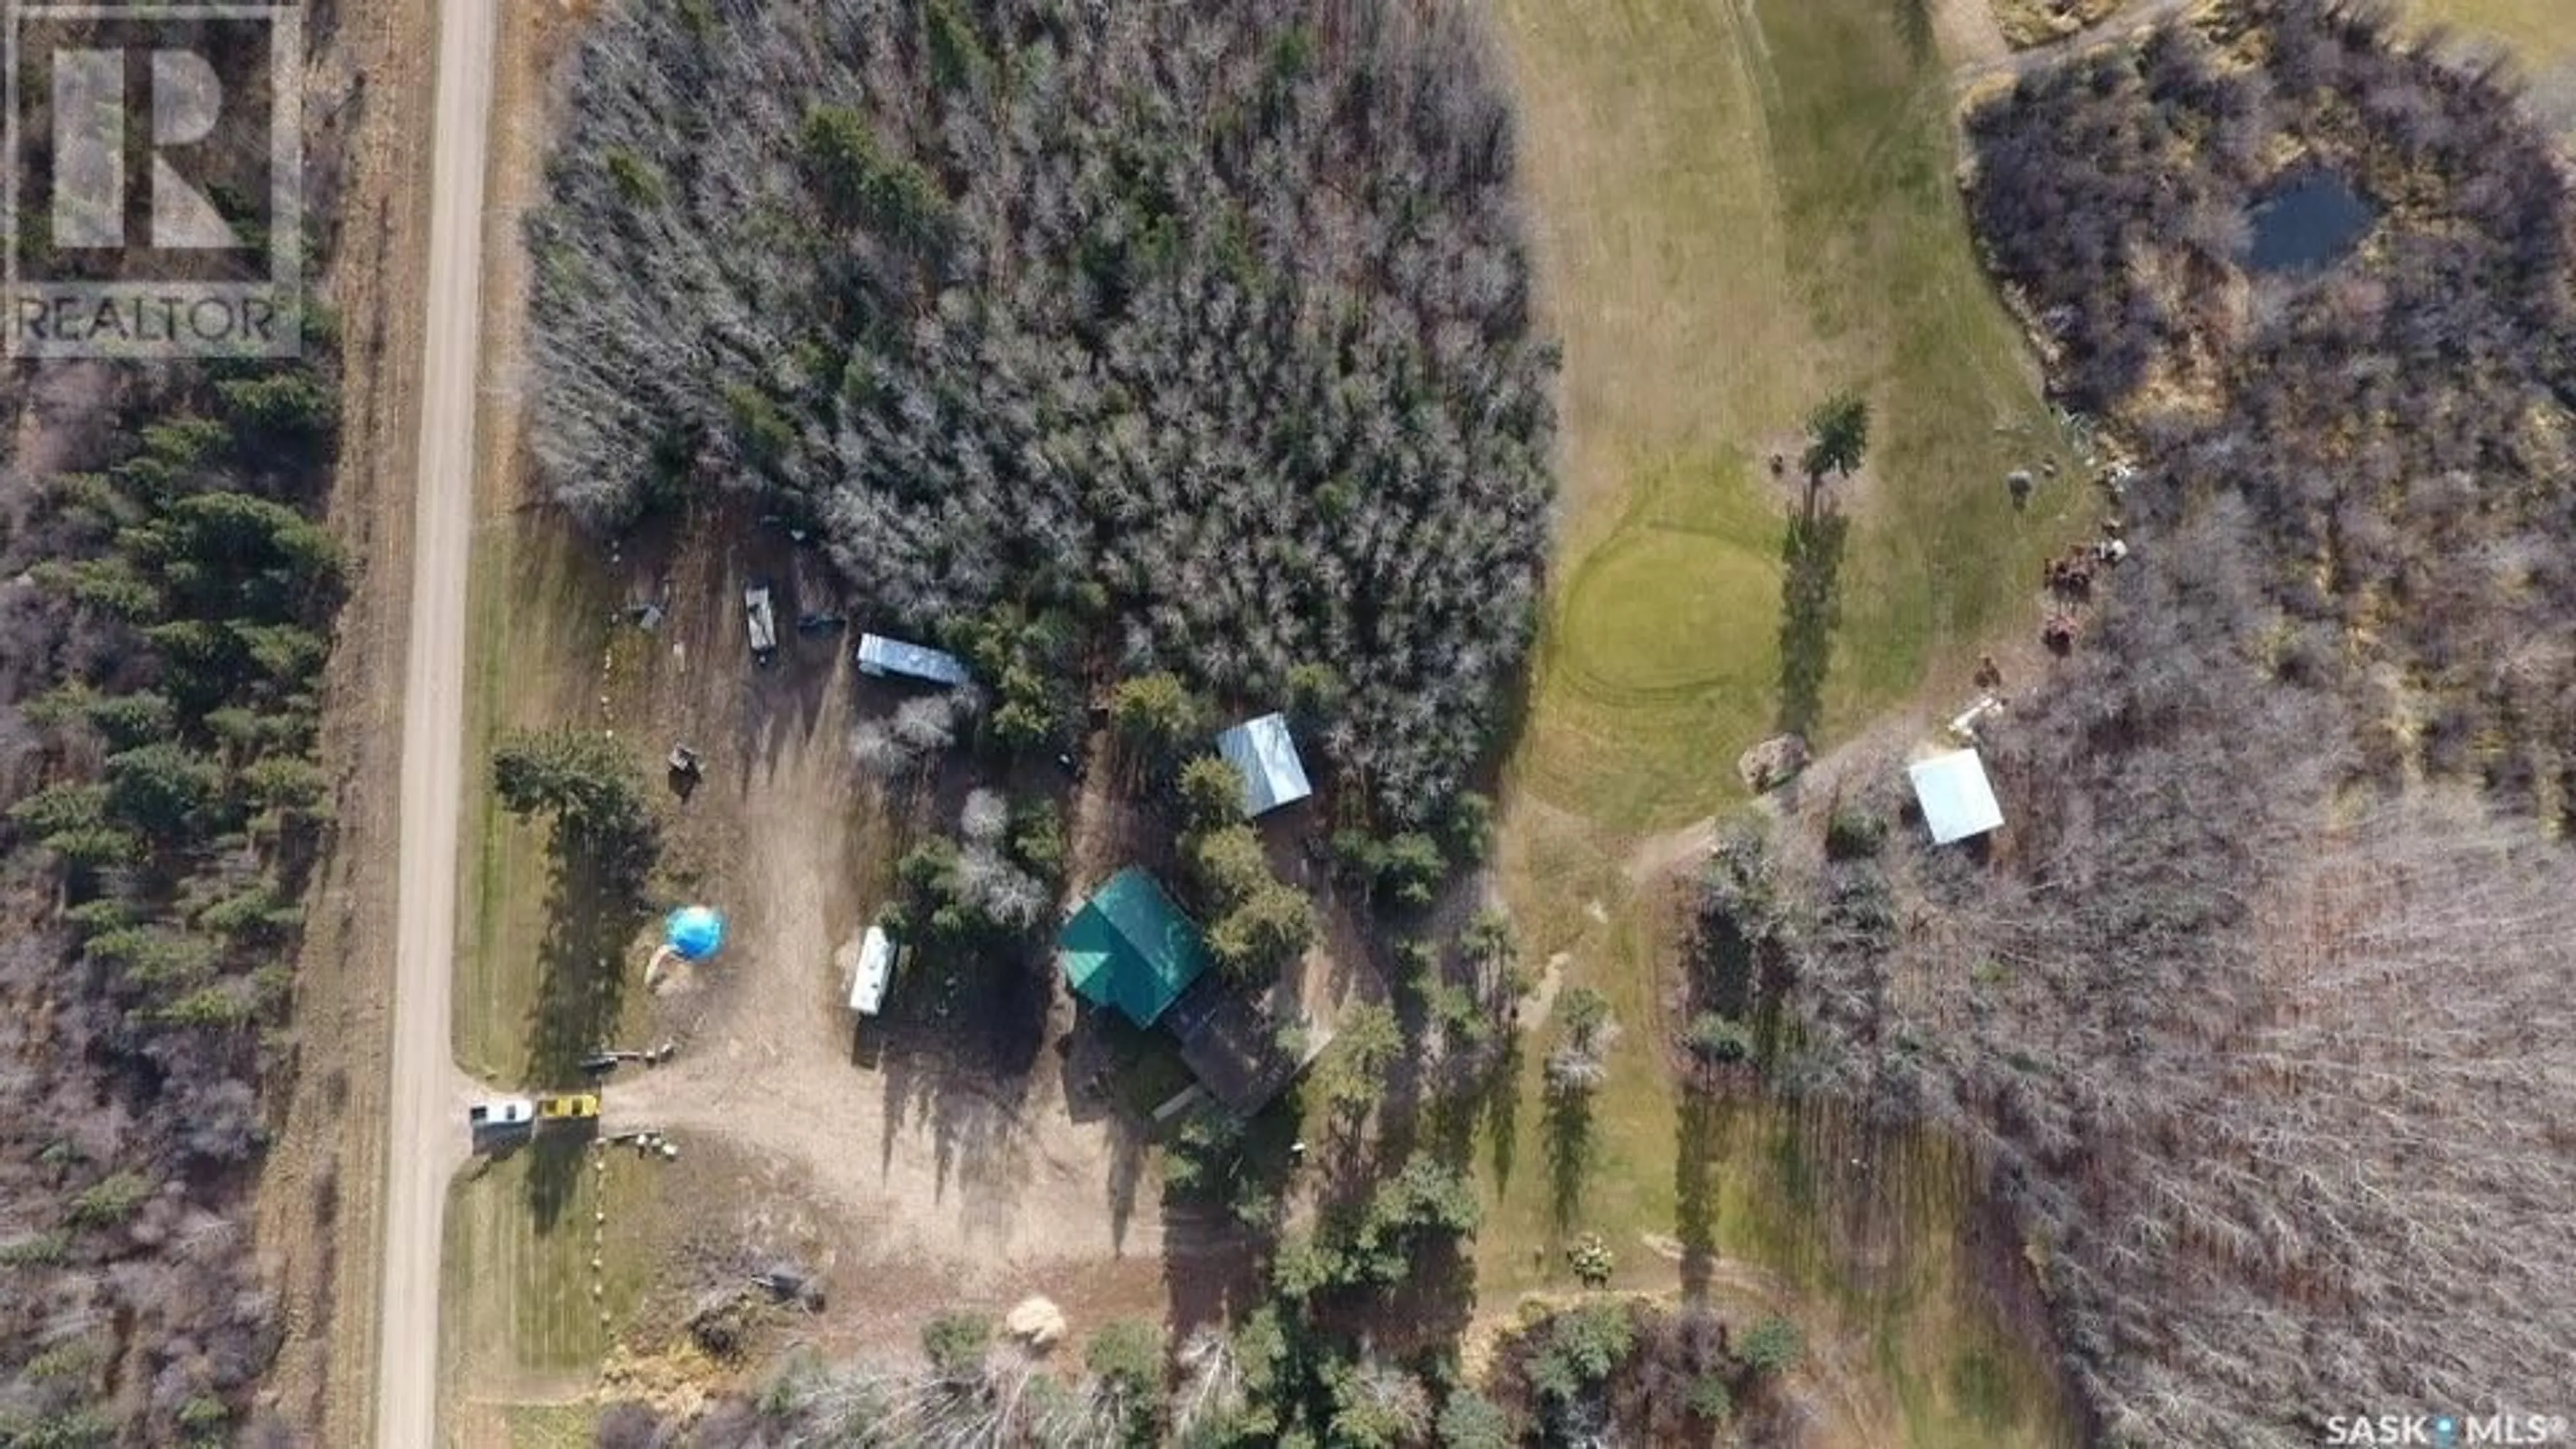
{"x":2307,"y":223}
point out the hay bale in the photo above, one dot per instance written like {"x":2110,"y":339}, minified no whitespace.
{"x":1036,"y":1322}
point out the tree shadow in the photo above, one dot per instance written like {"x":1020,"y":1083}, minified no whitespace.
{"x":1503,"y":1104}
{"x":592,"y":915}
{"x":1726,"y":968}
{"x":1448,"y":1120}
{"x":1695,"y":1191}
{"x":960,"y":1042}
{"x":1914,"y":28}
{"x":1568,"y":1128}
{"x":555,"y":1157}
{"x":1212,"y":1270}
{"x":1811,"y":555}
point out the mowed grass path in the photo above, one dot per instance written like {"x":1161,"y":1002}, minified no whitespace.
{"x":1743,"y":205}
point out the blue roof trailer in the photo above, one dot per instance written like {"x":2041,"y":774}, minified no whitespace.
{"x":893,"y":658}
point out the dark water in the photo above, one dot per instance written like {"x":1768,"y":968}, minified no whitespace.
{"x":2310,"y":223}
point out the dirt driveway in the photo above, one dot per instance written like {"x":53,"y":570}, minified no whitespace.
{"x":995,"y":1172}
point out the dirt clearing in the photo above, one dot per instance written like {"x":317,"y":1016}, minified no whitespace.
{"x":916,"y":1173}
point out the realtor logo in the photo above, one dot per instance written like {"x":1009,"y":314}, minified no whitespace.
{"x":153,"y":198}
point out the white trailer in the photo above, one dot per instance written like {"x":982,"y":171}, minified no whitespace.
{"x":761,"y":617}
{"x":873,"y":972}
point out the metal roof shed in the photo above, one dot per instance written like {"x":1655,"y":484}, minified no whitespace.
{"x":882,"y":656}
{"x":1957,"y":802}
{"x":1263,"y":753}
{"x":1130,"y":948}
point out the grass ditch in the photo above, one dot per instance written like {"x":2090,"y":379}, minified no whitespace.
{"x":522,"y":1316}
{"x":543,"y":975}
{"x":529,"y":939}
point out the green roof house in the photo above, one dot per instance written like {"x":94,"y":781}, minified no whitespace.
{"x":1130,"y":948}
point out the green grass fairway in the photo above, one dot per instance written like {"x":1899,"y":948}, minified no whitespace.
{"x":1742,"y":210}
{"x":1743,"y":205}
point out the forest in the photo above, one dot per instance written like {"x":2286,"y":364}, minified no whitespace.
{"x":1146,"y":338}
{"x":2258,"y":1013}
{"x":168,"y":608}
{"x":168,"y":599}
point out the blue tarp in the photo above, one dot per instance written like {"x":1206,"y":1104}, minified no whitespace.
{"x":694,"y":932}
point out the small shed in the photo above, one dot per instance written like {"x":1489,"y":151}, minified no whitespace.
{"x":1957,"y":802}
{"x":873,"y":972}
{"x":1263,"y":753}
{"x":884,"y":658}
{"x":1130,"y":949}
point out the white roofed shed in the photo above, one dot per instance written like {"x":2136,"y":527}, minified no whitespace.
{"x":1267,"y":758}
{"x":1957,"y":802}
{"x":881,"y":656}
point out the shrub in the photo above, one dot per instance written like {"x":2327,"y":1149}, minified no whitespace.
{"x":956,"y":1343}
{"x":1853,"y":834}
{"x":1265,"y":935}
{"x":110,"y":1201}
{"x":1585,"y":1345}
{"x":1718,"y":1040}
{"x":1772,"y":1346}
{"x":1469,"y":1420}
{"x":629,"y":1424}
{"x":1211,"y":793}
{"x":1127,"y":1352}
